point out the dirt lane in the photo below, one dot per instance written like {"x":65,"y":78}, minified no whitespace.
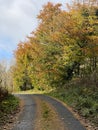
{"x":70,"y":122}
{"x":47,"y":117}
{"x":41,"y":112}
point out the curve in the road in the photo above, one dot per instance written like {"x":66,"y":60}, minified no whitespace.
{"x":28,"y":115}
{"x":67,"y":117}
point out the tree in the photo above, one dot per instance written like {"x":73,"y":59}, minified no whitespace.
{"x":61,"y":46}
{"x":20,"y":70}
{"x":3,"y":81}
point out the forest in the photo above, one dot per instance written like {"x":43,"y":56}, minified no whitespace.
{"x":63,"y":47}
{"x":61,"y":55}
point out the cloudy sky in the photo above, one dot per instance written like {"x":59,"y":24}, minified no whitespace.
{"x":17,"y":20}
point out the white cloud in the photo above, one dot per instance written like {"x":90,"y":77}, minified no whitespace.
{"x":18,"y":19}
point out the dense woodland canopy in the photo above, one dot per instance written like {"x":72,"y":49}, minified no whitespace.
{"x":63,"y":47}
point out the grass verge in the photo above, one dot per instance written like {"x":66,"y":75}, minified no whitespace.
{"x":83,"y":100}
{"x":8,"y":106}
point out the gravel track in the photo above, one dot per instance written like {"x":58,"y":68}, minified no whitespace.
{"x":27,"y":118}
{"x":71,"y":123}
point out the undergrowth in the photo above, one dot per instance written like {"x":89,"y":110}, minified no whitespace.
{"x":8,"y":106}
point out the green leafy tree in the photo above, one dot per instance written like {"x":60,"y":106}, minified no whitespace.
{"x":64,"y":45}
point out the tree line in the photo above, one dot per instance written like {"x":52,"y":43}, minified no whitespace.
{"x":64,"y":46}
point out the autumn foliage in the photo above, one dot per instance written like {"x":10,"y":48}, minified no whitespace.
{"x":64,"y":46}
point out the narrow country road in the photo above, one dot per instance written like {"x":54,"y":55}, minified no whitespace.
{"x":26,"y":119}
{"x":41,"y":112}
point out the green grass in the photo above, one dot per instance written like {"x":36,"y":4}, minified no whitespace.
{"x":33,"y":91}
{"x":46,"y":111}
{"x":7,"y":107}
